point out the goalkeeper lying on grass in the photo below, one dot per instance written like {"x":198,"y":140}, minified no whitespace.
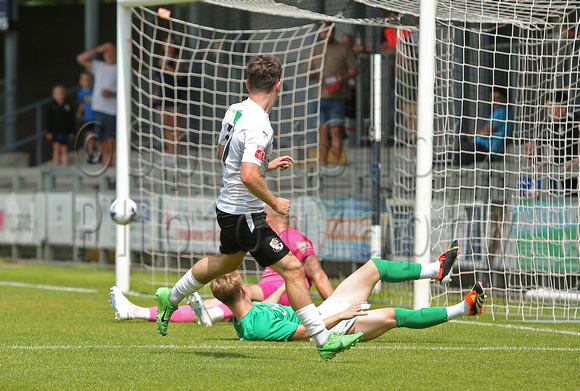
{"x":344,"y":311}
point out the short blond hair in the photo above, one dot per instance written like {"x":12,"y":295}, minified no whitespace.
{"x":228,"y":288}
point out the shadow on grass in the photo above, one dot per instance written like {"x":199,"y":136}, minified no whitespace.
{"x":201,"y":353}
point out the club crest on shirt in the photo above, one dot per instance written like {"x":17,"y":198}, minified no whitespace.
{"x":260,"y":153}
{"x":276,"y":245}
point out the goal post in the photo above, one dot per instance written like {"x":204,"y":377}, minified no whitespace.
{"x":123,"y":248}
{"x":177,"y":178}
{"x":424,"y":145}
{"x":514,"y":212}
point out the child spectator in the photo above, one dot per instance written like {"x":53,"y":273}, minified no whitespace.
{"x":85,"y":113}
{"x":60,"y":124}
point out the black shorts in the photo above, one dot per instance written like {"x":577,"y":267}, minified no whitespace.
{"x":61,"y":139}
{"x":250,"y":233}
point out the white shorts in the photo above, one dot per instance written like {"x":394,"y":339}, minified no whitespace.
{"x":333,"y":306}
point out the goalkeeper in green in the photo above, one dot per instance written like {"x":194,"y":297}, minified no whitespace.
{"x":344,"y":311}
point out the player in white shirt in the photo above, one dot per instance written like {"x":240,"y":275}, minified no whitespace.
{"x":245,"y":148}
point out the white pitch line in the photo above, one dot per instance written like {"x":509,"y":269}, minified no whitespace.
{"x":288,"y":347}
{"x":524,"y":328}
{"x":48,"y":287}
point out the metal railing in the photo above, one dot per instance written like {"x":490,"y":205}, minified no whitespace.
{"x":35,"y":109}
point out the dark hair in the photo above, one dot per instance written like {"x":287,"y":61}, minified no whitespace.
{"x":558,"y":97}
{"x":263,"y":73}
{"x":502,"y":91}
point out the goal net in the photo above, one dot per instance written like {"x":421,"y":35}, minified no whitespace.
{"x":184,"y":77}
{"x":510,"y":198}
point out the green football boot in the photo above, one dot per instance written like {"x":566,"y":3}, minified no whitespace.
{"x":164,"y":309}
{"x":337,"y":343}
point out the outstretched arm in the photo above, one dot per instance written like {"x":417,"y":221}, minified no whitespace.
{"x":354,"y":310}
{"x":314,"y":271}
{"x":276,"y":296}
{"x":569,"y":164}
{"x":487,"y":129}
{"x":282,"y":162}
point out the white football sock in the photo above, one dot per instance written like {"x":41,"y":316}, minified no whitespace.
{"x":184,"y":287}
{"x":311,"y":319}
{"x":430,"y":270}
{"x":139,"y":312}
{"x":458,"y":310}
{"x":216,"y":314}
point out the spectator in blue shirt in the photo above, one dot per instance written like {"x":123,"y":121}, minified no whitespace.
{"x":489,"y":141}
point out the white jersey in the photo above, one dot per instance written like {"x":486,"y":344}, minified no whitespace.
{"x":247,"y":136}
{"x":105,"y":79}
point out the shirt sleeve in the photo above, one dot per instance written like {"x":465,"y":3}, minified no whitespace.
{"x":227,"y":127}
{"x":255,"y":146}
{"x":299,"y":244}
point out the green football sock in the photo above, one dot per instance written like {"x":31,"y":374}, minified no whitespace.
{"x":397,"y":271}
{"x":420,"y":319}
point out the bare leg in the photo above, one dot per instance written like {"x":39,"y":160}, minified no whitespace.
{"x":168,"y":128}
{"x":215,"y":266}
{"x":172,"y":134}
{"x":255,"y":293}
{"x":324,"y":144}
{"x":375,"y":323}
{"x":55,"y":154}
{"x":357,"y":287}
{"x":64,"y":155}
{"x":497,"y":220}
{"x":106,"y":153}
{"x":292,"y":271}
{"x":336,"y":142}
{"x":113,"y":152}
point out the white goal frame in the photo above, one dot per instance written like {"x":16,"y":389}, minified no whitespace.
{"x":422,"y":292}
{"x":423,"y":173}
{"x":123,"y":249}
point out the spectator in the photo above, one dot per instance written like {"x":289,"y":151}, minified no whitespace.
{"x":489,"y":141}
{"x":407,"y":70}
{"x":85,"y":112}
{"x":390,"y":35}
{"x":557,"y":144}
{"x":171,"y":96}
{"x":60,"y":124}
{"x":104,"y":97}
{"x":350,"y":110}
{"x":339,"y":68}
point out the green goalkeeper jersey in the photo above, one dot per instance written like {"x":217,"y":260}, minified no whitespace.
{"x":267,"y":322}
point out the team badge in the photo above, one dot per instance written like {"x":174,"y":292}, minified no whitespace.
{"x":260,"y":153}
{"x":276,"y":245}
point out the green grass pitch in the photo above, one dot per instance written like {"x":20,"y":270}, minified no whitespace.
{"x":66,"y":340}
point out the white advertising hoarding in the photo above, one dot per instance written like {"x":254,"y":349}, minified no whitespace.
{"x":22,"y":218}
